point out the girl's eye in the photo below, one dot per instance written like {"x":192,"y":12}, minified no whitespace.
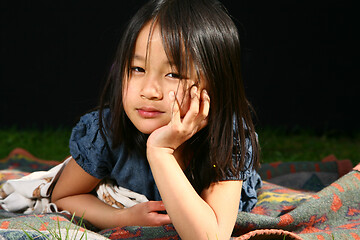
{"x":173,"y":75}
{"x":137,"y":69}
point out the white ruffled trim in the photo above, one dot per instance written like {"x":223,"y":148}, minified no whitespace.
{"x":31,"y":194}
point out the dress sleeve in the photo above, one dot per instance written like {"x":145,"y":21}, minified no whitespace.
{"x":236,"y":158}
{"x":88,"y":147}
{"x":251,"y":179}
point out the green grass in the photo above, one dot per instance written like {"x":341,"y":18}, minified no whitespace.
{"x":70,"y":233}
{"x":276,"y":144}
{"x":47,"y":143}
{"x":306,"y":145}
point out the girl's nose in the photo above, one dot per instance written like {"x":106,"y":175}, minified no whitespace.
{"x":151,"y":88}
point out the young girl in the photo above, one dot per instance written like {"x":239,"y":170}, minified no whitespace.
{"x":173,"y":125}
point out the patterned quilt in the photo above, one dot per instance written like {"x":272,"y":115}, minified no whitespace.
{"x":300,"y":200}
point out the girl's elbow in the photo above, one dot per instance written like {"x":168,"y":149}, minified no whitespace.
{"x":213,"y":233}
{"x":55,"y":197}
{"x":206,"y":236}
{"x":56,"y":194}
{"x":218,"y":235}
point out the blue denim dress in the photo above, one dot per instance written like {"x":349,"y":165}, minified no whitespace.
{"x":132,"y":171}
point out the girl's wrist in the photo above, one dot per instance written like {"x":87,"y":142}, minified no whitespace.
{"x":155,"y":152}
{"x":121,"y":217}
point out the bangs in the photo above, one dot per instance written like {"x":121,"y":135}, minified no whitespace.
{"x":177,"y":45}
{"x":176,"y":48}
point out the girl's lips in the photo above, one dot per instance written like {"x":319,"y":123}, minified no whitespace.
{"x":149,"y":112}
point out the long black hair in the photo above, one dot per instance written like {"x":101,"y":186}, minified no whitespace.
{"x":200,"y":30}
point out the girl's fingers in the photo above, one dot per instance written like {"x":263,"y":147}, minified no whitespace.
{"x":159,"y":219}
{"x":199,"y":108}
{"x":205,"y":104}
{"x":193,"y":111}
{"x":155,"y":206}
{"x":196,"y":116}
{"x":204,"y":108}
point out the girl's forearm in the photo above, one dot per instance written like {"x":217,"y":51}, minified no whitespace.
{"x":94,"y":210}
{"x":71,"y":193}
{"x":192,"y":217}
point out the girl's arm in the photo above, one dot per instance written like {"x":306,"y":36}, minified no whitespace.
{"x":72,"y":193}
{"x":209,"y":216}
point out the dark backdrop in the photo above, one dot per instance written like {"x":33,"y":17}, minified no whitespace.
{"x":298,"y":60}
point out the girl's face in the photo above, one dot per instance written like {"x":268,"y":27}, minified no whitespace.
{"x":146,"y":92}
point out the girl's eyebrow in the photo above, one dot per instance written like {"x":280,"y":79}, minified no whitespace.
{"x":141,"y":58}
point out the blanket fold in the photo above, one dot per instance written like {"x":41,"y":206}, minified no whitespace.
{"x":332,"y":213}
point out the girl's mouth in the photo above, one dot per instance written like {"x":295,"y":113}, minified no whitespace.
{"x":149,"y":112}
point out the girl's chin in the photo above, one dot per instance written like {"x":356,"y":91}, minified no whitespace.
{"x":148,"y":129}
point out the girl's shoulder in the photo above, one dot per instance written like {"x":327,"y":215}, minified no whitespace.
{"x":88,"y":128}
{"x":90,"y":122}
{"x":89,"y":146}
{"x":92,"y":118}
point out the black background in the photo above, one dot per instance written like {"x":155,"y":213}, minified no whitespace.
{"x":298,"y":60}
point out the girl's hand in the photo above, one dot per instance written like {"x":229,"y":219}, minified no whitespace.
{"x":147,"y":214}
{"x":180,"y":129}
